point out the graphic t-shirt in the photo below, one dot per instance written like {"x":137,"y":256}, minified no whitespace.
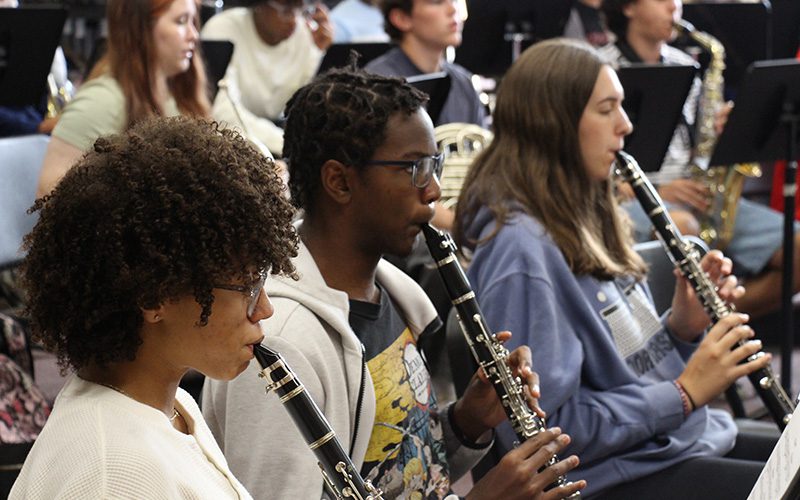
{"x":406,"y":452}
{"x":638,"y":334}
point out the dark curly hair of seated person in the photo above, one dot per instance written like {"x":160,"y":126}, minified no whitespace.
{"x":341,"y":115}
{"x":160,"y":212}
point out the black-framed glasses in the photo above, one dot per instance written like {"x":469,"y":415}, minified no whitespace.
{"x":253,"y":292}
{"x":422,"y":170}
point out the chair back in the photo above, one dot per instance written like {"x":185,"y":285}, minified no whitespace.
{"x":20,"y":164}
{"x":659,"y":274}
{"x":12,"y":457}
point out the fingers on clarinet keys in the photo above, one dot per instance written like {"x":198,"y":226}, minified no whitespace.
{"x":529,"y":458}
{"x":519,"y":474}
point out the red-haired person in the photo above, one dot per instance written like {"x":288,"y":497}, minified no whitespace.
{"x":148,"y":70}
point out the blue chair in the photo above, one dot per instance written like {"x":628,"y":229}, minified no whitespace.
{"x":20,"y":164}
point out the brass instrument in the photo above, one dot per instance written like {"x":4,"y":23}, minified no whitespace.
{"x":724,"y":183}
{"x":459,"y":142}
{"x":57,"y":97}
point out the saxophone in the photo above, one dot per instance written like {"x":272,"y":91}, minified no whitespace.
{"x":342,"y":480}
{"x":686,"y":258}
{"x":490,"y":354}
{"x":725,"y":184}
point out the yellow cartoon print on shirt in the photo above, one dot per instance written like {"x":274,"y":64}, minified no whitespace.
{"x":406,"y":448}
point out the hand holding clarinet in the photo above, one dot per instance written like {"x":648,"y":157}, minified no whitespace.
{"x":703,"y":293}
{"x":496,"y":393}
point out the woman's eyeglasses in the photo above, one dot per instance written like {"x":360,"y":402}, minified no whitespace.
{"x":253,"y":292}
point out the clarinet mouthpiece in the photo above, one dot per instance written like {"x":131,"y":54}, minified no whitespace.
{"x":264,"y":355}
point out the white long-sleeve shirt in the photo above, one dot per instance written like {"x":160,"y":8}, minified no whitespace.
{"x":99,"y":443}
{"x":261,"y":77}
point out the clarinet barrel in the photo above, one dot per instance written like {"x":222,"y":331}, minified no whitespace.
{"x":687,"y":259}
{"x":341,"y":478}
{"x":489,"y":353}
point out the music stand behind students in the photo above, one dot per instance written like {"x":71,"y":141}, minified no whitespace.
{"x":364,"y":167}
{"x":148,"y":260}
{"x":30,"y":37}
{"x":148,"y":70}
{"x":643,"y":29}
{"x":553,"y":260}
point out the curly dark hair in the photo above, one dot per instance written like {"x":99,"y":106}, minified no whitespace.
{"x":386,"y":7}
{"x":616,"y":20}
{"x":159,"y":212}
{"x":341,"y":115}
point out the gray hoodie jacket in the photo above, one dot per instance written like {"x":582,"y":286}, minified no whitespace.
{"x":310,"y":328}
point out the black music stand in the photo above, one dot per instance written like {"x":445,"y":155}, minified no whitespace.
{"x":217,"y":54}
{"x":338,"y":54}
{"x":654,"y":97}
{"x":763,"y":127}
{"x":437,"y":86}
{"x":744,"y":29}
{"x":498,"y":30}
{"x":28,"y":40}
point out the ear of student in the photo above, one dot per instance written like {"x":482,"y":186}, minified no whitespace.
{"x":335,"y":178}
{"x":153,"y":315}
{"x":400,"y":20}
{"x":627,"y":10}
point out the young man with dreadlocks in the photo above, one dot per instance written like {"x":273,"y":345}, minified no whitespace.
{"x":364,"y":169}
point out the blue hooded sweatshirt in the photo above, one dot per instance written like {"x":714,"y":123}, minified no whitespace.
{"x":605,"y":360}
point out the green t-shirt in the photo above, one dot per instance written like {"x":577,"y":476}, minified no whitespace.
{"x":98,"y":109}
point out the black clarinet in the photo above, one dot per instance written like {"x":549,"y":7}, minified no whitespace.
{"x":488,"y":352}
{"x":686,"y":258}
{"x":341,"y":478}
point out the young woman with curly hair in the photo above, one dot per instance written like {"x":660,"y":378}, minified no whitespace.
{"x":149,"y":259}
{"x":151,"y":68}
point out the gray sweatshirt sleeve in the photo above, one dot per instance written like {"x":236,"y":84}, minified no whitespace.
{"x":462,"y":456}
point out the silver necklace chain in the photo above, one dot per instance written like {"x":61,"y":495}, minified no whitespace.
{"x":175,"y":412}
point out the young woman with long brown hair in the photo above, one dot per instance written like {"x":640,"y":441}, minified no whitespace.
{"x":553,"y":262}
{"x":150,"y":69}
